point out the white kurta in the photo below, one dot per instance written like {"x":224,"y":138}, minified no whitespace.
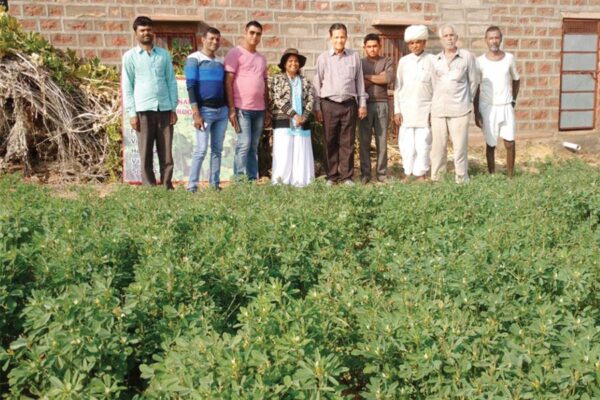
{"x":412,"y":99}
{"x":495,"y":97}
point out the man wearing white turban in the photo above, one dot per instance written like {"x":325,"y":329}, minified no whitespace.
{"x":454,"y":86}
{"x":412,"y":103}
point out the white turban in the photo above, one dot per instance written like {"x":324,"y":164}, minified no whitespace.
{"x":416,"y":32}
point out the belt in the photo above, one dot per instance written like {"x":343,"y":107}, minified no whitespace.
{"x":351,"y":100}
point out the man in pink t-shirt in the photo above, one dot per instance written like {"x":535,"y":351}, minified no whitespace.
{"x":246,"y":88}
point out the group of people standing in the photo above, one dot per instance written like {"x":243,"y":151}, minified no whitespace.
{"x":433,"y":99}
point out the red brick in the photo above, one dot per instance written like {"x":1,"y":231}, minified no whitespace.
{"x":90,"y":53}
{"x":50,"y":25}
{"x":260,"y":4}
{"x":75,"y":25}
{"x":215,"y":15}
{"x":116,"y":40}
{"x":270,"y":28}
{"x":33,"y":11}
{"x":416,"y":7}
{"x":366,"y":6}
{"x":262,"y":15}
{"x":241,"y":3}
{"x":547,"y":43}
{"x":237,"y":15}
{"x":29,"y":24}
{"x":107,"y":55}
{"x":385,"y":7}
{"x":205,"y":2}
{"x":400,"y":7}
{"x":183,"y":3}
{"x":522,"y":114}
{"x":430,"y":7}
{"x":545,"y":11}
{"x":61,"y":39}
{"x":56,"y":11}
{"x":511,"y":43}
{"x":500,"y":11}
{"x":342,"y":6}
{"x":273,"y":42}
{"x":321,"y":5}
{"x":544,"y":67}
{"x":541,"y":31}
{"x":527,"y":11}
{"x":92,"y":11}
{"x":112,"y":26}
{"x":557,"y":32}
{"x":529,"y":43}
{"x":92,"y":39}
{"x":222,"y":3}
{"x":301,"y":5}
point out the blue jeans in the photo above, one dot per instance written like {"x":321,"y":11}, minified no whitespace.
{"x":216,"y":124}
{"x":246,"y":150}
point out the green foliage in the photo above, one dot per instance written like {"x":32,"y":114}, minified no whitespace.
{"x":179,"y":54}
{"x":489,"y":290}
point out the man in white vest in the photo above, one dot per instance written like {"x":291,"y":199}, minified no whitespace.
{"x":496,"y":98}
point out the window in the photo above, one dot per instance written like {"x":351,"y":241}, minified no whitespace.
{"x":177,"y":35}
{"x":579,"y":75}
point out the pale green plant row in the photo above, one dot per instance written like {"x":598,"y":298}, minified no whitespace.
{"x":482,"y":291}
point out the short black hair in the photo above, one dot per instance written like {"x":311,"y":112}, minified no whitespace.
{"x":493,"y":28}
{"x":336,"y":27}
{"x":212,"y":30}
{"x":255,"y":24}
{"x":142,"y":21}
{"x":372,"y":36}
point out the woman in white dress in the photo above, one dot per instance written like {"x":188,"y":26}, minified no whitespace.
{"x":291,"y":103}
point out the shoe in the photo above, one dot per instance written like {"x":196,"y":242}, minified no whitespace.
{"x":329,"y":182}
{"x":382,"y":179}
{"x":348,"y":182}
{"x":192,"y":190}
{"x":364,"y":180}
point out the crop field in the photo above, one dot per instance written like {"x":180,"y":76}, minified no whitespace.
{"x":489,"y":290}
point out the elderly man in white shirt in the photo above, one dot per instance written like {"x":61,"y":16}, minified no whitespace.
{"x":412,"y":103}
{"x":454,"y":87}
{"x":496,"y":98}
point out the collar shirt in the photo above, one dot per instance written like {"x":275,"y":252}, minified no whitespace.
{"x":339,"y":77}
{"x":454,"y":84}
{"x":496,"y":79}
{"x":414,"y":89}
{"x":148,"y":81}
{"x":378,"y":93}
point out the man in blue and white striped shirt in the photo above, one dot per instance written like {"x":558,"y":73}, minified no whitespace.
{"x":205,"y":78}
{"x":150,"y":100}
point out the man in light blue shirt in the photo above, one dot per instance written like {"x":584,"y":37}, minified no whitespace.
{"x":150,"y":100}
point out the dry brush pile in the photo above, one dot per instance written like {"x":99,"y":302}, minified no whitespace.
{"x":59,"y":114}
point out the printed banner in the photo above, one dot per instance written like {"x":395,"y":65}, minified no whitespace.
{"x":184,"y":143}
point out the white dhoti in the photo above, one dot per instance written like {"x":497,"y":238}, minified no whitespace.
{"x":498,"y":121}
{"x":415,"y":145}
{"x":293,"y":162}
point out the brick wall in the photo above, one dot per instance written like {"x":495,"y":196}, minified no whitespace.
{"x":532,"y":30}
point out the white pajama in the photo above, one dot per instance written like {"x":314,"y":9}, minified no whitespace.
{"x":498,"y":121}
{"x":415,"y":145}
{"x":293,"y":162}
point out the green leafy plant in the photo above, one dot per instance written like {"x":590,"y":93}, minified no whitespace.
{"x":481,"y":291}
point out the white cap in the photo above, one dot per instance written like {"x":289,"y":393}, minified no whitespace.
{"x":416,"y":32}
